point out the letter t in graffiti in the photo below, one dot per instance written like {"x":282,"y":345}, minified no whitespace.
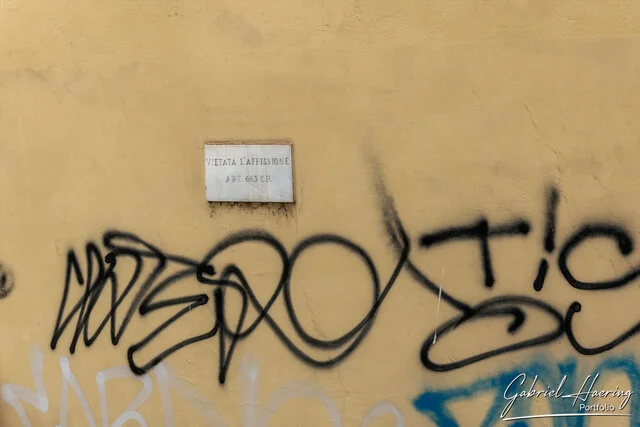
{"x":481,"y":231}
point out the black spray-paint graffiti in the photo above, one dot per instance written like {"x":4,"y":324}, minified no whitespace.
{"x":513,"y":307}
{"x":147,"y":290}
{"x":6,"y":281}
{"x":100,"y":275}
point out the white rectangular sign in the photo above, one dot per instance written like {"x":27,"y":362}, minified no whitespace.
{"x":251,"y":172}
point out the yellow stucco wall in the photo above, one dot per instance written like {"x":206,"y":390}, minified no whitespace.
{"x":412,"y":121}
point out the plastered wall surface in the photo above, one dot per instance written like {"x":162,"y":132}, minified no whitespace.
{"x":466,"y":214}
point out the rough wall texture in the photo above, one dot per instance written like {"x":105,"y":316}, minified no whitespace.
{"x":467,"y":208}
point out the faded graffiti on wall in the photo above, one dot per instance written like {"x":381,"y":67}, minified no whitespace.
{"x":255,"y":412}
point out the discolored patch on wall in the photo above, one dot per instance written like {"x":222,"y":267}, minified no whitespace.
{"x":7,"y":281}
{"x":276,"y":210}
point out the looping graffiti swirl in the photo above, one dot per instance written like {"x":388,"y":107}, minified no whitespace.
{"x":101,"y":280}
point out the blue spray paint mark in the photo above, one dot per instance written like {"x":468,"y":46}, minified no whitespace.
{"x":434,"y":404}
